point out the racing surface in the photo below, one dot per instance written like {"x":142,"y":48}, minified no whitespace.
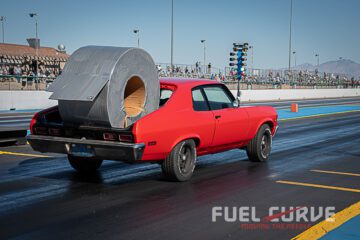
{"x":20,"y":119}
{"x":308,"y":102}
{"x":42,"y":197}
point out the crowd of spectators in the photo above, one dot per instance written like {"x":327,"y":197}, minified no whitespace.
{"x":294,"y":78}
{"x":27,"y":76}
{"x":193,"y":71}
{"x":304,"y":78}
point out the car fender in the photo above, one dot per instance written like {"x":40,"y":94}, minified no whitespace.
{"x":267,"y":120}
{"x":185,"y":137}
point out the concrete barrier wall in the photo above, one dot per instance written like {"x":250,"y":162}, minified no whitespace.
{"x":22,"y":100}
{"x":292,"y":94}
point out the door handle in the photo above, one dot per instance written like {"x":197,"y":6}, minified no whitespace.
{"x":217,"y":116}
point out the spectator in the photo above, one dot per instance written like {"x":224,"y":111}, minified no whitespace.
{"x":17,"y":73}
{"x":30,"y":79}
{"x":23,"y":81}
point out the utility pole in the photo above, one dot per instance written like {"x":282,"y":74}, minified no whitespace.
{"x":317,"y":55}
{"x":172,"y":36}
{"x":291,"y":6}
{"x":203,"y":41}
{"x":294,"y":53}
{"x":34,"y":16}
{"x":136,"y":31}
{"x":252,"y":59}
{"x":2,"y":19}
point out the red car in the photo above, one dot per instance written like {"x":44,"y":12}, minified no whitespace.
{"x":196,"y":117}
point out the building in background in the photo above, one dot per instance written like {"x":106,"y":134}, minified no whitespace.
{"x":32,"y":58}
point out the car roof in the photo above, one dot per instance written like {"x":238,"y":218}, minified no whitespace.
{"x":191,"y":82}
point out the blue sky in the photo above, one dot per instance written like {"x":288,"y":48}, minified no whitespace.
{"x":328,"y":27}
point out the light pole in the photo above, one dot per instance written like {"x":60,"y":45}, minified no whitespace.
{"x":252,"y":59}
{"x":294,"y":53}
{"x":203,"y":41}
{"x":2,"y":19}
{"x":291,"y":6}
{"x":172,"y":36}
{"x":34,"y":16}
{"x":136,"y":31}
{"x":317,"y":55}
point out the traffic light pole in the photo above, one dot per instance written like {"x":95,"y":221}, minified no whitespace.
{"x":238,"y":95}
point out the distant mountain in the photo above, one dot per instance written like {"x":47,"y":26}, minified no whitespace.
{"x":343,"y":66}
{"x":305,"y":66}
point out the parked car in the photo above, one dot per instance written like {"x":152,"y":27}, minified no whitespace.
{"x":196,"y":117}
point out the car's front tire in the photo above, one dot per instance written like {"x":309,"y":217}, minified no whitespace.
{"x":85,"y":165}
{"x":179,"y":165}
{"x":259,"y":148}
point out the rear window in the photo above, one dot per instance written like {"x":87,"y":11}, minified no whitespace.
{"x":199,"y":102}
{"x":165,"y":95}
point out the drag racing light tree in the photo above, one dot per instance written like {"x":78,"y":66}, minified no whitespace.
{"x":238,"y":59}
{"x":242,"y":60}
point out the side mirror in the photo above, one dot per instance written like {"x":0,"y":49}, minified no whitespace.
{"x":235,"y":103}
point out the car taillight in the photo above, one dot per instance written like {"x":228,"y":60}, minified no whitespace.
{"x":32,"y":123}
{"x":125,"y":138}
{"x":110,"y":136}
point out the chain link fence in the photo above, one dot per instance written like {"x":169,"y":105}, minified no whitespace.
{"x":255,"y":79}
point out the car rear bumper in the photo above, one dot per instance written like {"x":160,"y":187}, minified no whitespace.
{"x":127,"y":152}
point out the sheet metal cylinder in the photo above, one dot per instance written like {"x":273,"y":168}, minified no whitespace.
{"x":107,"y":86}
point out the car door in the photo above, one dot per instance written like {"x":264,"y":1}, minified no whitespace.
{"x":231,"y":122}
{"x":202,"y":121}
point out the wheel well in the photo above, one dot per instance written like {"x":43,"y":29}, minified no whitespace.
{"x":197,"y":141}
{"x":271,"y":125}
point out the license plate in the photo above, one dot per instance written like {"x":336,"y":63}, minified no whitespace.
{"x":81,"y":150}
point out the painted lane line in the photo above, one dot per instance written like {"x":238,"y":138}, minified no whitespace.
{"x":326,"y":226}
{"x":339,"y":173}
{"x":319,"y":186}
{"x":23,"y":154}
{"x":317,"y":115}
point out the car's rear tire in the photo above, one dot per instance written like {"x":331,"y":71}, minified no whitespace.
{"x":259,"y":148}
{"x":85,"y":165}
{"x":179,"y":165}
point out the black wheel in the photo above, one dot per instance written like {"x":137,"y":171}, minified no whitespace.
{"x":180,"y":163}
{"x":85,"y":165}
{"x":259,"y":148}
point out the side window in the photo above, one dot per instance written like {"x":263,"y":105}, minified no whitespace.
{"x":165,"y":95}
{"x":199,"y":102}
{"x":217,"y":97}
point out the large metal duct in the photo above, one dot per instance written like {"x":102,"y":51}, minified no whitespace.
{"x":107,"y":86}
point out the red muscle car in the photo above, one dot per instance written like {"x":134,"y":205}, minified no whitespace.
{"x":196,"y":117}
